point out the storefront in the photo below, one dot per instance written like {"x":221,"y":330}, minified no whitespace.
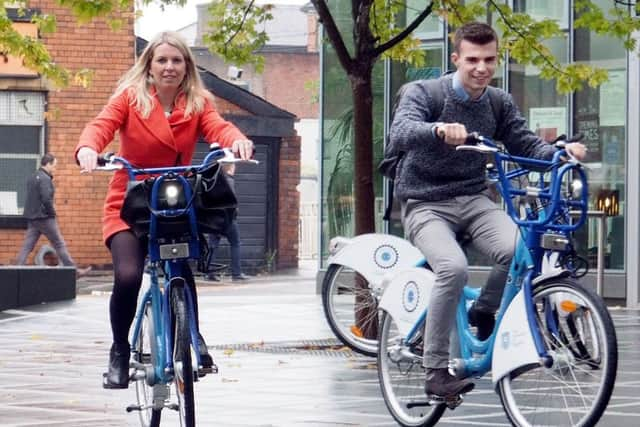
{"x":607,"y":116}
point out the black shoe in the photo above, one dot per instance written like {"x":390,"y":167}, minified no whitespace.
{"x":441,"y":384}
{"x":205,"y":358}
{"x":239,"y":278}
{"x":117,"y":375}
{"x":483,"y":321}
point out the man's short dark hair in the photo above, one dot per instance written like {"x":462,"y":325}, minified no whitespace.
{"x":476,"y":33}
{"x":47,"y":159}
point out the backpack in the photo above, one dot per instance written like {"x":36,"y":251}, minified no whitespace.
{"x":392,"y":155}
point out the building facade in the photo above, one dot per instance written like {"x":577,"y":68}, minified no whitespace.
{"x":607,"y":116}
{"x":36,"y":118}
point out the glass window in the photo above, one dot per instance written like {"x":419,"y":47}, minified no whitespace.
{"x":431,"y":28}
{"x":600,"y":114}
{"x":337,"y":200}
{"x":21,"y":145}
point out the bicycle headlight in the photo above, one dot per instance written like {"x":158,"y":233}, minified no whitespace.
{"x":171,"y":193}
{"x":576,"y":188}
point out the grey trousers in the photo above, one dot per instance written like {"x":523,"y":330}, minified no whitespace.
{"x":432,"y":228}
{"x":48,"y":227}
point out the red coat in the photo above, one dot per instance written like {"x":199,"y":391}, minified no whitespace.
{"x":157,"y":141}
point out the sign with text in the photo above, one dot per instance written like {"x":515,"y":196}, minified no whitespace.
{"x":589,"y":126}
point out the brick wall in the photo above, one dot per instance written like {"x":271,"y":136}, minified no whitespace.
{"x":286,"y":79}
{"x":288,"y":202}
{"x":79,"y":199}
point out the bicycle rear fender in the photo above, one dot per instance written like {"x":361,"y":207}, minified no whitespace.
{"x":513,"y":346}
{"x":375,"y":255}
{"x":406,"y":297}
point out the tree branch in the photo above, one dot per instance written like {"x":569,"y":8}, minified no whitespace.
{"x":237,"y":31}
{"x":521,"y":35}
{"x":404,"y":33}
{"x":324,"y":16}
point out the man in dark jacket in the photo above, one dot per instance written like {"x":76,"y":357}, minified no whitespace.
{"x":41,"y":214}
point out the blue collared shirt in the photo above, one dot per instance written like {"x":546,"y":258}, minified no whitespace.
{"x":459,"y":89}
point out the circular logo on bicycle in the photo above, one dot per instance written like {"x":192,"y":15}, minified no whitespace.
{"x":410,"y":296}
{"x":385,"y":256}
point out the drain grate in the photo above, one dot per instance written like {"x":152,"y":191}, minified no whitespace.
{"x":323,"y":347}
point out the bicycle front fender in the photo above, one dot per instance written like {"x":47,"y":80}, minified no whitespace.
{"x":406,"y":298}
{"x":513,"y":346}
{"x":376,"y":255}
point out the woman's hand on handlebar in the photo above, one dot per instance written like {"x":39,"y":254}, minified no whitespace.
{"x":452,"y":133}
{"x":243,"y":148}
{"x":87,"y":159}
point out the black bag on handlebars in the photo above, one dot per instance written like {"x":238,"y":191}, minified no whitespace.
{"x":213,"y":198}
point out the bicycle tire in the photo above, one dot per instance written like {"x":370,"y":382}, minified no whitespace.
{"x":585,"y":353}
{"x":146,"y":353}
{"x":182,"y":364}
{"x":402,"y":378}
{"x":346,"y":296}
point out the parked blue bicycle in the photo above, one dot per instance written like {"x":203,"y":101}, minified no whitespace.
{"x":553,"y":351}
{"x":164,"y":342}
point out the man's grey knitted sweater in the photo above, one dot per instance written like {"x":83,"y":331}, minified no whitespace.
{"x":432,"y":170}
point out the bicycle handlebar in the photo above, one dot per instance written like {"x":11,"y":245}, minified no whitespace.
{"x":111,"y":162}
{"x":561,"y":164}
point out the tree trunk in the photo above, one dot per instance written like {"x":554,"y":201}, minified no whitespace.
{"x":364,"y":199}
{"x":363,"y":151}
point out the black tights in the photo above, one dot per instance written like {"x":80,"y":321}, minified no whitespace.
{"x":128,"y":254}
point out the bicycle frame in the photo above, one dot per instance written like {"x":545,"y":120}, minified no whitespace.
{"x":477,"y":357}
{"x":173,"y":269}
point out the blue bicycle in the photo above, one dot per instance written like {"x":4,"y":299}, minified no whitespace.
{"x":164,"y":343}
{"x":553,"y":351}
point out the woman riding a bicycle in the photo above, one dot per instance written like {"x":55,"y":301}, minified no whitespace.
{"x":160,"y":109}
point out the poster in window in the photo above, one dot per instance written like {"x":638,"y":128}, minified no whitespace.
{"x":589,"y":126}
{"x":548,"y":122}
{"x":613,"y":99}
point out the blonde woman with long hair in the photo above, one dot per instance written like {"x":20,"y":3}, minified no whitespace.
{"x":160,"y":108}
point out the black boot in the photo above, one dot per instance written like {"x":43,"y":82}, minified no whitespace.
{"x":482,"y":320}
{"x":441,"y":384}
{"x":118,"y":373}
{"x":205,"y":357}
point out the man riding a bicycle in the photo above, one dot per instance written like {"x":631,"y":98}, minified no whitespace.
{"x":443,"y":192}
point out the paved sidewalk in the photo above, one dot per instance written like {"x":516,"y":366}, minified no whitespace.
{"x":271,"y":342}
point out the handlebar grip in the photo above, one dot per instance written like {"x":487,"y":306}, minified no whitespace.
{"x":105,"y":158}
{"x":473,"y":138}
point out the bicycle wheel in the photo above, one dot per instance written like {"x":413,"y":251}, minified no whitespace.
{"x":182,"y":366}
{"x":146,"y":351}
{"x":402,"y":379}
{"x":580,"y":337}
{"x":351,"y":309}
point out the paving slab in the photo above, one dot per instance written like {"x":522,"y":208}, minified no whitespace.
{"x":267,"y":337}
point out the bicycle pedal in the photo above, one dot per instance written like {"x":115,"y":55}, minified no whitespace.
{"x":133,"y":407}
{"x":213,"y":369}
{"x":452,"y":402}
{"x":173,"y":406}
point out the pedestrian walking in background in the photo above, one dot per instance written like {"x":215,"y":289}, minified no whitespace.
{"x":231,"y":233}
{"x":41,"y":215}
